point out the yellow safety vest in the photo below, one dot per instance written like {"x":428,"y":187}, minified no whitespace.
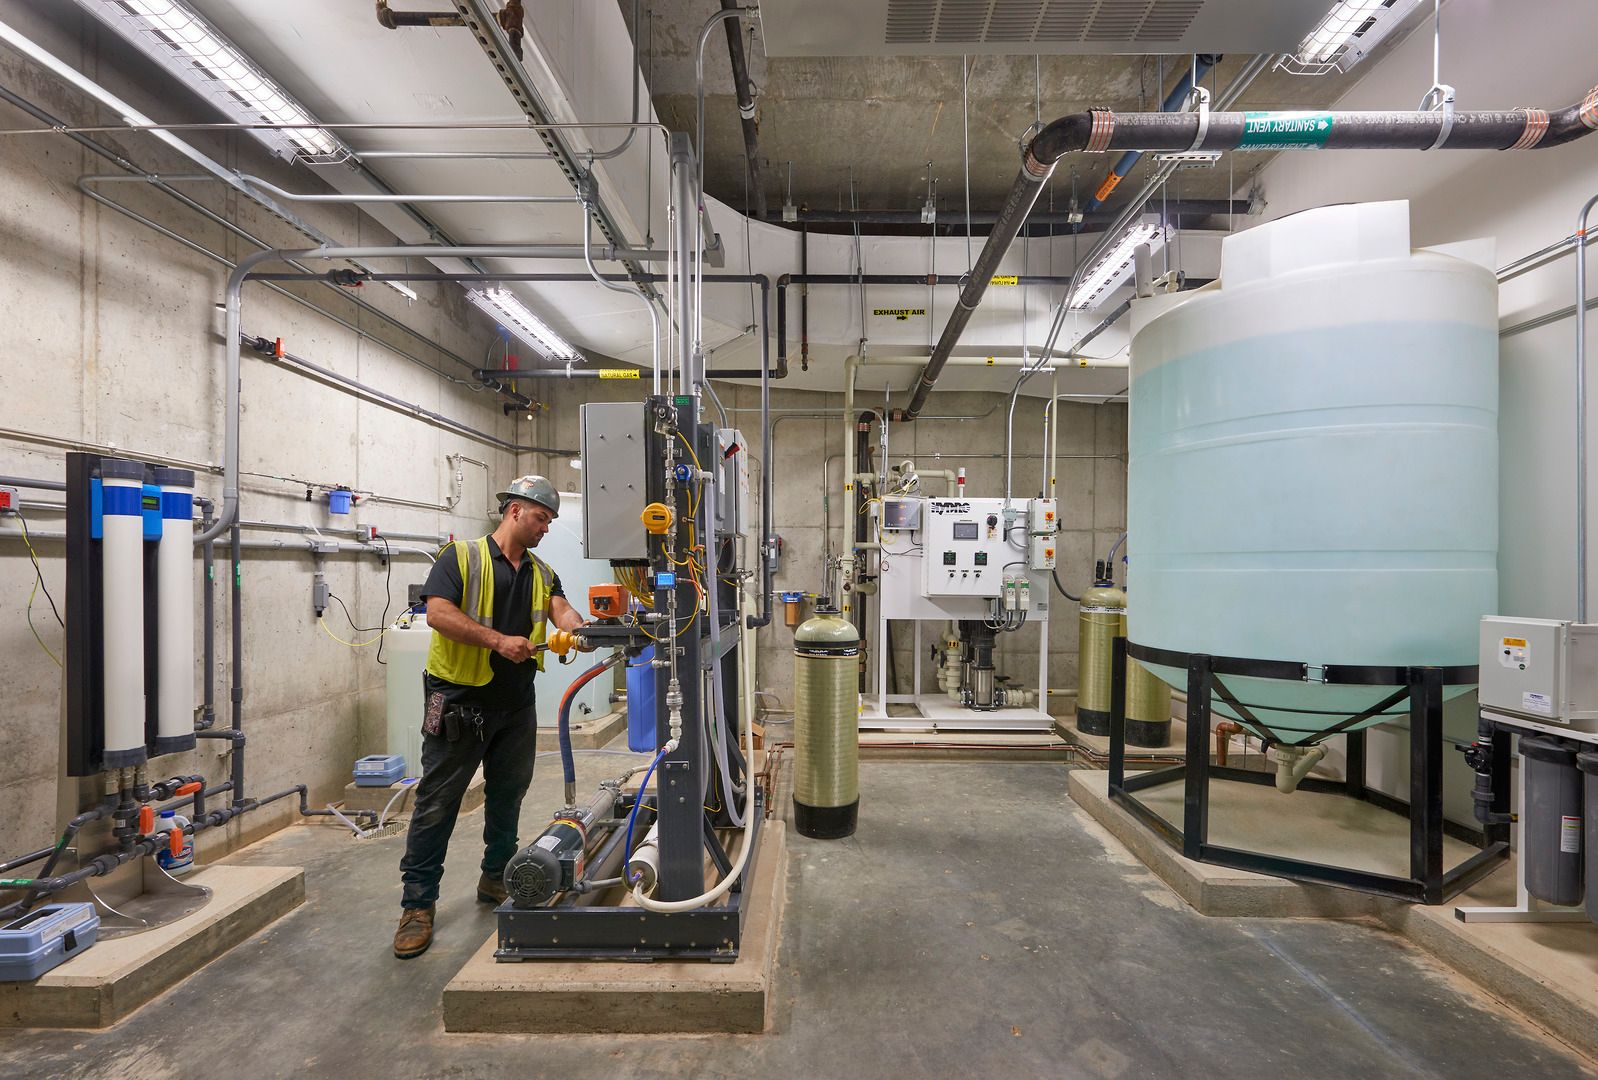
{"x":467,"y":665}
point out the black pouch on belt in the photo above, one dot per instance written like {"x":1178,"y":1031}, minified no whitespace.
{"x":433,"y":715}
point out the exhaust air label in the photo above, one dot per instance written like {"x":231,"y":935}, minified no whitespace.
{"x":902,"y":313}
{"x":1285,"y":130}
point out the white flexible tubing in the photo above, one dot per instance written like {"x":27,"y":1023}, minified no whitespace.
{"x":404,"y":786}
{"x":737,"y":870}
{"x":362,"y":833}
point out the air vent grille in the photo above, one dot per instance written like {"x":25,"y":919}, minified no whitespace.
{"x":955,"y":22}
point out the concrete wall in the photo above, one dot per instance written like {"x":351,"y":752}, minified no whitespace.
{"x":112,"y":337}
{"x":807,"y":488}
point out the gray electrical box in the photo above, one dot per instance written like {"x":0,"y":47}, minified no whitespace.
{"x":1542,"y":669}
{"x":613,"y":480}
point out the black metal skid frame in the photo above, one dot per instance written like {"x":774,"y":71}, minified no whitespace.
{"x":573,"y":928}
{"x":1428,"y":882}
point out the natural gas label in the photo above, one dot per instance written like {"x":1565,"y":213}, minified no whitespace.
{"x":618,"y":373}
{"x":1005,"y":279}
{"x":1285,"y":130}
{"x":900,"y":313}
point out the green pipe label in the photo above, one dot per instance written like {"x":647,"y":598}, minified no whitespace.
{"x":1285,"y":130}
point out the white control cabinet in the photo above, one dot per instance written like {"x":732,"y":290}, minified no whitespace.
{"x":964,"y":552}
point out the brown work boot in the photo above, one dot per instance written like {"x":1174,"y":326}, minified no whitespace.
{"x":415,"y":932}
{"x":491,"y":890}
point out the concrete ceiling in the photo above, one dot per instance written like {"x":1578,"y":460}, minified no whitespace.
{"x":880,"y":120}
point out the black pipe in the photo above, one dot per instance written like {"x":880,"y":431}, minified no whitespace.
{"x":1102,"y":129}
{"x":804,"y":300}
{"x":24,"y":860}
{"x":746,"y":106}
{"x":208,"y":553}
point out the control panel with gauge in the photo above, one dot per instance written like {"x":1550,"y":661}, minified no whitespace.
{"x":964,"y":549}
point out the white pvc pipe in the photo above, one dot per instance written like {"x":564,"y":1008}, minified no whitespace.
{"x":122,"y":615}
{"x":175,"y":629}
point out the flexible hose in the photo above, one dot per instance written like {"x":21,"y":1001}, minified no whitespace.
{"x":627,"y":845}
{"x":568,"y":765}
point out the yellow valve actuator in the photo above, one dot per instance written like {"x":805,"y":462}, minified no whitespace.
{"x":657,"y":518}
{"x":562,"y":642}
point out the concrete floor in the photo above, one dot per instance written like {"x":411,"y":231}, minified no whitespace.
{"x":942,"y":940}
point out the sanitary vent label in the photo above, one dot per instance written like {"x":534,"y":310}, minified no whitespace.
{"x":1569,"y":835}
{"x":1534,"y":702}
{"x":1285,"y":130}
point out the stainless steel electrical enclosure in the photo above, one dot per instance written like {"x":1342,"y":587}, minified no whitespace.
{"x":613,"y":480}
{"x":1542,"y":669}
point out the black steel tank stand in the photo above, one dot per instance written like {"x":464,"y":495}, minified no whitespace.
{"x":1428,"y":881}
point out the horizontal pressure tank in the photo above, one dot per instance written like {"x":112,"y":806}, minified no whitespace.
{"x":1313,"y":460}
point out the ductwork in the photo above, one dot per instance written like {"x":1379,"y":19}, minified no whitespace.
{"x":1099,"y":130}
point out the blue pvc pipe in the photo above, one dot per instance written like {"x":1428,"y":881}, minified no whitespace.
{"x":1173,"y":102}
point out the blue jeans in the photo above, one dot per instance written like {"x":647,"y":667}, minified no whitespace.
{"x":506,"y":745}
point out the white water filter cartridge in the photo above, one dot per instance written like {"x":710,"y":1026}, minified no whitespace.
{"x":122,"y":609}
{"x":175,"y":614}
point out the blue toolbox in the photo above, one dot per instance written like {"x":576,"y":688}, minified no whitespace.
{"x":42,"y":939}
{"x":379,"y":770}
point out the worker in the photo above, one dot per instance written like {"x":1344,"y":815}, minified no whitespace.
{"x":489,"y":602}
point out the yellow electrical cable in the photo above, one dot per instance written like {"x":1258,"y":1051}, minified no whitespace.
{"x":34,"y":592}
{"x":352,"y":644}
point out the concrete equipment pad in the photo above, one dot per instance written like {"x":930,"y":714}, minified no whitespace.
{"x":112,"y":978}
{"x":621,"y":997}
{"x":1321,"y":828}
{"x":590,"y":733}
{"x":376,"y":798}
{"x":1065,"y":727}
{"x":1546,"y":971}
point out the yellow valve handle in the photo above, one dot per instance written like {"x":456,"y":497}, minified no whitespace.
{"x":562,"y":642}
{"x":657,"y":519}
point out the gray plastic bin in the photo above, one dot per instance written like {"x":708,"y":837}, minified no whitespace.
{"x":1587,"y":762}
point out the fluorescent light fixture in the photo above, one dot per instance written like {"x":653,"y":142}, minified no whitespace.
{"x":1349,"y":31}
{"x":504,"y":308}
{"x":175,"y":36}
{"x":1115,"y":265}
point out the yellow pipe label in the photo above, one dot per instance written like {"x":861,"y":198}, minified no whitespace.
{"x":1004,"y":279}
{"x":902,"y":314}
{"x":618,"y":373}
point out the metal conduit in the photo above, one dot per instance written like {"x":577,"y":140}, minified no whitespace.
{"x":1102,"y":129}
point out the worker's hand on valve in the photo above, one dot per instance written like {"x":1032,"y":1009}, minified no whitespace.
{"x":514,"y":649}
{"x":582,"y":644}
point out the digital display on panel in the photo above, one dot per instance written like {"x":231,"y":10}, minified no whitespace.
{"x":965,"y":530}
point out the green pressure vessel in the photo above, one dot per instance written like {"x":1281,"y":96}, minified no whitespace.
{"x":1101,"y":619}
{"x":1148,"y":699}
{"x":826,"y":731}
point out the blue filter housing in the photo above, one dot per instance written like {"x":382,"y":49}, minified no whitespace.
{"x":1312,"y":470}
{"x":641,"y":702}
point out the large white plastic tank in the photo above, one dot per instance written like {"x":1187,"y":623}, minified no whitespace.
{"x":1313,"y":459}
